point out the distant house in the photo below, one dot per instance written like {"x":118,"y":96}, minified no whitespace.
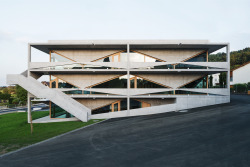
{"x":216,"y":78}
{"x":240,"y":74}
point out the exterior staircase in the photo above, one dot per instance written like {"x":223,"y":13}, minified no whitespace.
{"x":59,"y":98}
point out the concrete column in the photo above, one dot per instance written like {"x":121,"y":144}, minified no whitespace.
{"x":28,"y":94}
{"x":228,"y":71}
{"x":29,"y":54}
{"x":128,"y":80}
{"x":29,"y":108}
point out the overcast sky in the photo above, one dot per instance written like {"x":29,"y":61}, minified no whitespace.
{"x":27,"y":21}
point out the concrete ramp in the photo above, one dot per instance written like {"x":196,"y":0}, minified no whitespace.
{"x":59,"y":98}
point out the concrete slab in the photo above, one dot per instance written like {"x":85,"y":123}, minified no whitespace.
{"x":47,"y":119}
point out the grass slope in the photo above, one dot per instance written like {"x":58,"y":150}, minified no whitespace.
{"x":15,"y":131}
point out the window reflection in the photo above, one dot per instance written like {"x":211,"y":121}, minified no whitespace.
{"x":55,"y":57}
{"x":134,"y":57}
{"x":58,"y":112}
{"x":120,"y":106}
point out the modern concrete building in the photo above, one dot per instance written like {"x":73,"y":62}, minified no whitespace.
{"x":241,"y":74}
{"x":120,"y":78}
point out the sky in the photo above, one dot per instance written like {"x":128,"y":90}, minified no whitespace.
{"x":28,"y":21}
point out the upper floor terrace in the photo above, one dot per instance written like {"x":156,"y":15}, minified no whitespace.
{"x":162,"y":56}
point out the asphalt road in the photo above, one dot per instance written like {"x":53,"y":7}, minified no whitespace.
{"x":204,"y":137}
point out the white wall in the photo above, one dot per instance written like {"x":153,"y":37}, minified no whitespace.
{"x":182,"y":103}
{"x":241,"y":75}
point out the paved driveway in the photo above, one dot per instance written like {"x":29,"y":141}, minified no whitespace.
{"x":211,"y":136}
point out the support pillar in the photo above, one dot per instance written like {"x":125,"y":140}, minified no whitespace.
{"x":29,"y":108}
{"x":28,"y":94}
{"x":128,"y":81}
{"x":228,"y":71}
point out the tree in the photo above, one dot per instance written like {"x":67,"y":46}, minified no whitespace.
{"x":240,"y":88}
{"x":237,"y":58}
{"x":211,"y":81}
{"x":21,"y":94}
{"x":5,"y":91}
{"x":223,"y":79}
{"x":15,"y":101}
{"x":5,"y":96}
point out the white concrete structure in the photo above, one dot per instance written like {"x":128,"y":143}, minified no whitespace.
{"x":119,"y":78}
{"x":241,"y":75}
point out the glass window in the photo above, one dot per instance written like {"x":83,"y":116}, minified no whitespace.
{"x":106,"y":59}
{"x":113,"y":107}
{"x":142,"y":83}
{"x":199,"y":58}
{"x":132,"y":83}
{"x":183,"y":92}
{"x":167,"y":66}
{"x":58,"y":83}
{"x":116,"y":106}
{"x":58,"y":112}
{"x":73,"y":92}
{"x":199,"y":83}
{"x":165,"y":93}
{"x":53,"y":84}
{"x":63,"y":84}
{"x":124,"y":104}
{"x":135,"y":104}
{"x":119,"y":82}
{"x":136,"y":82}
{"x":105,"y":109}
{"x":188,"y":66}
{"x":58,"y":58}
{"x":134,"y":57}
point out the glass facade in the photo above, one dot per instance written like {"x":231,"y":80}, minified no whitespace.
{"x":134,"y":104}
{"x":120,"y":82}
{"x":138,"y":82}
{"x":58,"y":83}
{"x":199,"y":58}
{"x":188,"y":66}
{"x":199,"y":83}
{"x":183,"y":92}
{"x":105,"y":109}
{"x":120,"y":106}
{"x":74,"y":92}
{"x":55,"y":57}
{"x":135,"y":82}
{"x":63,"y":84}
{"x":113,"y":107}
{"x":58,"y":112}
{"x":134,"y":57}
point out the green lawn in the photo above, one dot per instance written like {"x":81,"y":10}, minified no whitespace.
{"x":15,"y":131}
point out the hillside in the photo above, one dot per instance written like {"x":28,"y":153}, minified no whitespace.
{"x":237,"y":58}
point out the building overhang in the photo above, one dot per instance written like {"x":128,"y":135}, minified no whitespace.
{"x":122,"y":45}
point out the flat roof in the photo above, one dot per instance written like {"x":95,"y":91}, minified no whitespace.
{"x":122,"y":45}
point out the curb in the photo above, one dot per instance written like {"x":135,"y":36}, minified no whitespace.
{"x":23,"y":148}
